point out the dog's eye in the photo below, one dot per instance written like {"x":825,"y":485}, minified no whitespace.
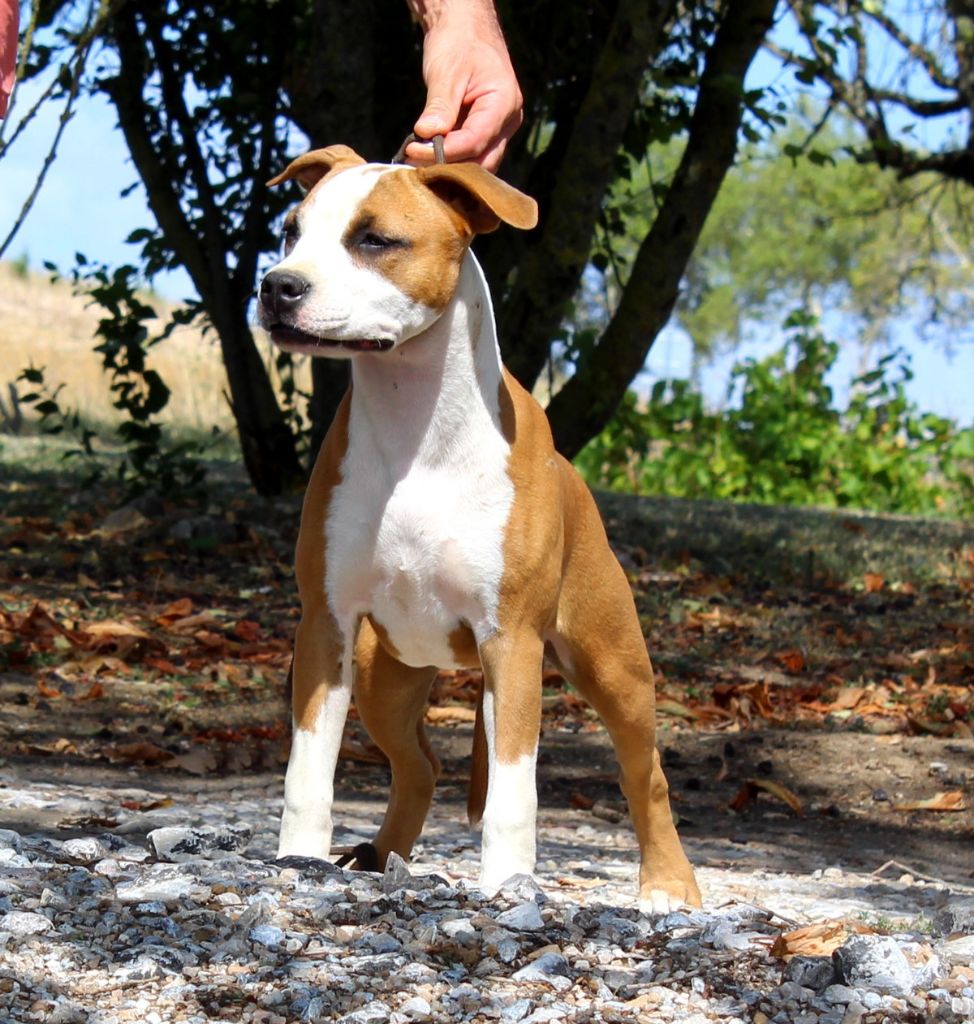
{"x":374,"y":241}
{"x":290,"y":237}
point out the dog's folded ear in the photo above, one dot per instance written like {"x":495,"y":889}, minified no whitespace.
{"x":310,"y":168}
{"x":482,"y":199}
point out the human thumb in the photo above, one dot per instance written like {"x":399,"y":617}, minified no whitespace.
{"x":439,"y":116}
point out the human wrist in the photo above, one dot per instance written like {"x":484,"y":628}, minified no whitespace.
{"x":436,"y":14}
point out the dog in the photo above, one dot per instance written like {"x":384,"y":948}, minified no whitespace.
{"x":440,"y":528}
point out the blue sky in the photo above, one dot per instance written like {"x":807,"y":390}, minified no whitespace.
{"x":80,"y":210}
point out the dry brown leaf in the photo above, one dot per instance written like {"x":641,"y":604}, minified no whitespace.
{"x":353,"y":750}
{"x":48,"y":692}
{"x":668,"y":706}
{"x":139,"y":752}
{"x":450,"y":713}
{"x":59,"y":746}
{"x":848,"y":697}
{"x":151,"y":805}
{"x":952,"y":800}
{"x":248,"y":631}
{"x":749,"y":791}
{"x":792,"y":661}
{"x":198,"y":761}
{"x":873,"y":582}
{"x":819,"y":939}
{"x":579,"y":883}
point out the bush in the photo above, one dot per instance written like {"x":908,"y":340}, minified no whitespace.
{"x":783,"y":442}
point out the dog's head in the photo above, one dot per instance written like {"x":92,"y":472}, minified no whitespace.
{"x":373,"y":252}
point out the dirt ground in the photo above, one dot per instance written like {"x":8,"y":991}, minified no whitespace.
{"x":815,"y":669}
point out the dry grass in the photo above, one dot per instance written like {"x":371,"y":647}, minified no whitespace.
{"x":45,"y":324}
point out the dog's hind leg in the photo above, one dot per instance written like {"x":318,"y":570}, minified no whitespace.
{"x":391,"y":700}
{"x":601,"y":649}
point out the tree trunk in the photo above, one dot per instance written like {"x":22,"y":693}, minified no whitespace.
{"x":587,"y":401}
{"x":331,"y":83}
{"x":550,"y":271}
{"x":266,"y":441}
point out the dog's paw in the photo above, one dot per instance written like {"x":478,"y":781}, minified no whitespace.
{"x":657,"y":901}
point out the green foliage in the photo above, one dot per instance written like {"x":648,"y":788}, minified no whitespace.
{"x":781,"y":441}
{"x":137,"y":391}
{"x":794,"y":226}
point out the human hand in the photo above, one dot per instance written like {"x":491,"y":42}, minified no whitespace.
{"x":473,"y":98}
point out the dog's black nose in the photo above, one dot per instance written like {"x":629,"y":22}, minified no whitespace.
{"x":282,"y":291}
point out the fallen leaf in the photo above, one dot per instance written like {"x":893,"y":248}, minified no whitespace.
{"x":848,"y":697}
{"x":873,"y":582}
{"x":668,"y":706}
{"x":122,"y":520}
{"x":139,"y":752}
{"x":749,"y":791}
{"x":450,"y":713}
{"x":581,"y":802}
{"x":48,"y":692}
{"x":59,"y":746}
{"x":198,"y":761}
{"x":248,"y":631}
{"x":950,"y":801}
{"x":353,"y":750}
{"x":149,"y":805}
{"x":579,"y":883}
{"x":819,"y":939}
{"x":792,"y":661}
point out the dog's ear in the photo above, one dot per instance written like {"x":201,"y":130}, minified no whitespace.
{"x":482,"y":199}
{"x":310,"y":168}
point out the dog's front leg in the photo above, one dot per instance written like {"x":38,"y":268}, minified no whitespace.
{"x":512,"y":722}
{"x":322,"y":673}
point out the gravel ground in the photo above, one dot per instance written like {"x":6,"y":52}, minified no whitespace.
{"x":179,"y":913}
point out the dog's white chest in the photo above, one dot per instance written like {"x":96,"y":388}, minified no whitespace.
{"x":422,"y":554}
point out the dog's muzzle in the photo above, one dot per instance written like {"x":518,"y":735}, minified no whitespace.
{"x":282,"y":292}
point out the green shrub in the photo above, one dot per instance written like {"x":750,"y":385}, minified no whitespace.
{"x":781,"y":441}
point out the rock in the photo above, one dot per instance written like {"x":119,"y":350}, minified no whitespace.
{"x":874,"y":962}
{"x":957,"y":917}
{"x":814,"y":972}
{"x":83,"y":851}
{"x":166,"y":890}
{"x":550,"y":968}
{"x":145,"y":968}
{"x":181,"y":844}
{"x":9,"y":840}
{"x":310,"y":867}
{"x":268,"y":935}
{"x":841,"y":994}
{"x":523,"y":887}
{"x":516,"y":1011}
{"x":22,"y":923}
{"x":959,"y":952}
{"x":416,"y":1008}
{"x":525,"y":917}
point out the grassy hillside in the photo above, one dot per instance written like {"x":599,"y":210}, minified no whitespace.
{"x":45,"y":324}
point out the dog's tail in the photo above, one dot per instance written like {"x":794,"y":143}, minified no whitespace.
{"x":477,"y":793}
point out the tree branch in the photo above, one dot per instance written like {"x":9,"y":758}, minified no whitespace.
{"x":586,"y":401}
{"x":916,"y":50}
{"x":550,"y":271}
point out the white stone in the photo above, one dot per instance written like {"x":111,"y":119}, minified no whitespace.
{"x":22,"y":923}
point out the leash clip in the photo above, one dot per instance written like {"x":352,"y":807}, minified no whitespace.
{"x":438,"y":153}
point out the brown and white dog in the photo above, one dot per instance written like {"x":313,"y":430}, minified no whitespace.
{"x":440,"y":527}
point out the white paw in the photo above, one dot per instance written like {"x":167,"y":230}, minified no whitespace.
{"x":660,"y":902}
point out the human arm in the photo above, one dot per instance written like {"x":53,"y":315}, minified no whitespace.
{"x":473,"y":98}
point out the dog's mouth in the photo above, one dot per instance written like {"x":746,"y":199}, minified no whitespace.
{"x":293,"y":340}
